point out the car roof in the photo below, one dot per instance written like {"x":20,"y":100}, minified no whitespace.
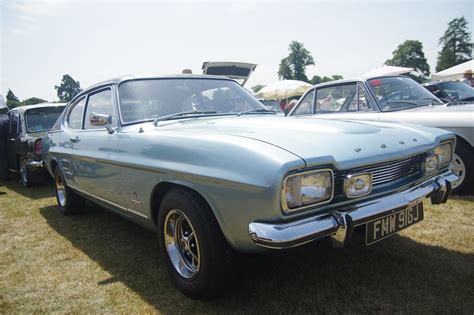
{"x":118,"y":80}
{"x":342,"y":81}
{"x":41,"y":105}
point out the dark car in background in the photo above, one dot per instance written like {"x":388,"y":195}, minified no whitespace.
{"x":450,"y":91}
{"x":28,"y":125}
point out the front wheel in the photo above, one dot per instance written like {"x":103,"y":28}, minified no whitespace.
{"x":463,"y":167}
{"x":68,"y":201}
{"x":196,"y":254}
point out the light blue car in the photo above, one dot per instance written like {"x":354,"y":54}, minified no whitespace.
{"x":209,"y":168}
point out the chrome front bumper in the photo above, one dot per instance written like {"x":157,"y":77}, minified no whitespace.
{"x":340,"y":224}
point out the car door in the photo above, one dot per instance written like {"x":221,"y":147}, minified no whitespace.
{"x":93,"y":150}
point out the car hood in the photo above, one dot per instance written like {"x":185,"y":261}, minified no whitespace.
{"x":317,"y":141}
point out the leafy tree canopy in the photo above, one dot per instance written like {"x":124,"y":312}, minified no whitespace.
{"x":456,"y":45}
{"x":317,"y":79}
{"x":293,"y":66}
{"x":68,"y":88}
{"x":410,"y":54}
{"x":257,"y":87}
{"x":33,"y":100}
{"x":12,"y":100}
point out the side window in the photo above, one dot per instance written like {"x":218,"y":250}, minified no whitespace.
{"x":76,"y":114}
{"x":100,"y":103}
{"x":364,"y":105}
{"x":14,"y":121}
{"x":332,"y":98}
{"x":306,"y":105}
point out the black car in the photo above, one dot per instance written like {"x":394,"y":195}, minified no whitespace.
{"x":450,"y":91}
{"x":28,"y":124}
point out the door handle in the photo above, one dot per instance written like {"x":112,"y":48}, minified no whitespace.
{"x":74,"y":139}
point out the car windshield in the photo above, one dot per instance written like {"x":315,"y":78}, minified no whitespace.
{"x":42,"y":119}
{"x":457,"y":90}
{"x":397,"y":93}
{"x":149,"y":99}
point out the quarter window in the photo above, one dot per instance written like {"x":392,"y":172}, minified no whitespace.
{"x":100,"y":103}
{"x":306,"y":105}
{"x":76,"y":114}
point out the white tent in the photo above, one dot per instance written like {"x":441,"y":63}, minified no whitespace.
{"x":387,"y":70}
{"x":454,"y":73}
{"x":283,"y":89}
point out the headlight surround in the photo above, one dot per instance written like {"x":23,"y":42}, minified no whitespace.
{"x":307,"y":189}
{"x":445,"y":153}
{"x":431,"y":164}
{"x":358,"y":185}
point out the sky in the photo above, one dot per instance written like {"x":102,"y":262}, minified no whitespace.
{"x":94,"y":40}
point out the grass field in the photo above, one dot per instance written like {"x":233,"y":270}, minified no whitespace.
{"x":98,"y":262}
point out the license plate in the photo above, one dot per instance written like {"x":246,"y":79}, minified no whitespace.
{"x":380,"y":228}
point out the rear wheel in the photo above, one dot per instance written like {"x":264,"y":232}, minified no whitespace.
{"x":196,"y":254}
{"x":25,"y":177}
{"x":68,"y":201}
{"x":463,"y":166}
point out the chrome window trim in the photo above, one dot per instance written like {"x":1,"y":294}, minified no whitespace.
{"x":69,"y":110}
{"x":346,"y":184}
{"x":286,"y":210}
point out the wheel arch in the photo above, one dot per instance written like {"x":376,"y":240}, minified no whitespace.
{"x":160,"y":190}
{"x":460,"y":139}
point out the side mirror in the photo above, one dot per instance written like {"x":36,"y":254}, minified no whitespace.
{"x":102,"y":120}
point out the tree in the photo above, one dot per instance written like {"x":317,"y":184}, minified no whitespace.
{"x":12,"y":100}
{"x":293,"y":66}
{"x":33,"y":100}
{"x":68,"y":88}
{"x":410,"y":54}
{"x":257,"y":87}
{"x":317,"y":79}
{"x":456,"y":45}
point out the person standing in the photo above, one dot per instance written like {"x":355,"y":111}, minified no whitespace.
{"x":467,"y":78}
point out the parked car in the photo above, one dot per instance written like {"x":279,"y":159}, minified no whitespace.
{"x":396,"y":99}
{"x":449,"y":91}
{"x":204,"y":164}
{"x":28,"y":124}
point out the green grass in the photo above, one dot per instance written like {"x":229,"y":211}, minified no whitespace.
{"x":98,"y":262}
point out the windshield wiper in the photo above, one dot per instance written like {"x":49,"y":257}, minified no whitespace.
{"x":256,"y":111}
{"x":191,"y":112}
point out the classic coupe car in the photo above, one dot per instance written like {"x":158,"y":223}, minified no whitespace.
{"x":396,"y":99}
{"x":209,"y":168}
{"x":28,"y":124}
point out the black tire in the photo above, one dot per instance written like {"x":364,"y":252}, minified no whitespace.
{"x":466,"y":155}
{"x":25,"y":175}
{"x":216,"y":258}
{"x":68,"y":201}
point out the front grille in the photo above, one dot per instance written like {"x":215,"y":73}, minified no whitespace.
{"x":382,"y":173}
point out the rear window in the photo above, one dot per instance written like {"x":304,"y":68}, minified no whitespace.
{"x":228,"y":71}
{"x":42,"y":119}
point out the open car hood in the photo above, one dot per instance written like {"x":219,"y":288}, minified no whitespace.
{"x":239,"y":71}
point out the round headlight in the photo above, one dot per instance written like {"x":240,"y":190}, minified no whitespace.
{"x":431,"y":164}
{"x":357,"y":185}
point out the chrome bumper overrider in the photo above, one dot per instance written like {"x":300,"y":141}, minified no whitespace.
{"x":340,"y":224}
